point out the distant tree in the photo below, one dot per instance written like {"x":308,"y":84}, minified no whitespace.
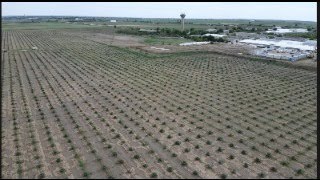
{"x":220,"y":31}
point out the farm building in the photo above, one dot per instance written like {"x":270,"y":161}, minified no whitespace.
{"x":282,"y":49}
{"x":279,"y":30}
{"x":113,"y":21}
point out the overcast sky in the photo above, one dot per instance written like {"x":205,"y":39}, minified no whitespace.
{"x":306,"y":11}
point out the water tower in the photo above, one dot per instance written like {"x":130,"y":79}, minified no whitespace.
{"x":182,"y":15}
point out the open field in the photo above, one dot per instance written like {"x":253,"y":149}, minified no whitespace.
{"x":76,"y":107}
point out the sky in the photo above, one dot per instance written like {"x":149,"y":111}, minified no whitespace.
{"x":304,"y":11}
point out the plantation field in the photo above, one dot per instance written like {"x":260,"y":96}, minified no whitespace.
{"x":42,"y":25}
{"x":76,"y":108}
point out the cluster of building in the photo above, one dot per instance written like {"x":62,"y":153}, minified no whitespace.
{"x":282,"y":49}
{"x":279,"y":30}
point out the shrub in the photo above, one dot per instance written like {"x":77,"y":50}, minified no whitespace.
{"x":120,"y":161}
{"x":245,"y":165}
{"x":273,"y":169}
{"x":257,"y":160}
{"x":177,"y":143}
{"x":261,"y":175}
{"x":195,"y":173}
{"x":219,"y":149}
{"x":208,"y":166}
{"x":62,"y":170}
{"x":223,"y":176}
{"x":86,"y":174}
{"x":41,"y":175}
{"x":114,"y":154}
{"x":184,"y":163}
{"x":136,"y":156}
{"x":268,"y":155}
{"x":154,"y":175}
{"x":169,"y":169}
{"x":300,"y":172}
{"x":284,"y":163}
{"x":219,"y":139}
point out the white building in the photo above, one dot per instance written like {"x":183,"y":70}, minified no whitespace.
{"x":211,"y":30}
{"x":279,"y":30}
{"x":215,"y":35}
{"x":304,"y":46}
{"x":113,"y":21}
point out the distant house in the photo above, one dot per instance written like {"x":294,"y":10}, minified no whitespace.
{"x":113,"y":21}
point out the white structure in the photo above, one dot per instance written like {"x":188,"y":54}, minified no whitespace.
{"x":279,"y":30}
{"x":113,"y":21}
{"x":282,"y":49}
{"x":182,"y":15}
{"x":194,"y":43}
{"x":215,"y":35}
{"x":282,"y":43}
{"x":147,"y":30}
{"x":211,"y":30}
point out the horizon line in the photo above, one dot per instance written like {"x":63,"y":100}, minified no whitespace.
{"x":165,"y":18}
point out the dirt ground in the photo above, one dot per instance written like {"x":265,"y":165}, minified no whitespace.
{"x":76,"y":108}
{"x":308,"y":61}
{"x":137,"y":42}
